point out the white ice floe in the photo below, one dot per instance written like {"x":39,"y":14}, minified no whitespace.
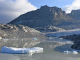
{"x":70,"y":52}
{"x":13,"y":50}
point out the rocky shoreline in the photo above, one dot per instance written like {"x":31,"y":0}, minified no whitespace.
{"x":75,"y":38}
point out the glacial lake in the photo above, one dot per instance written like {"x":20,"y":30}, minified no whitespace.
{"x":53,"y":50}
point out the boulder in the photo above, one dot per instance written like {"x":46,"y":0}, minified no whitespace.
{"x":76,"y":45}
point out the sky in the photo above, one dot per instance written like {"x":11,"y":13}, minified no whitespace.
{"x":11,"y":9}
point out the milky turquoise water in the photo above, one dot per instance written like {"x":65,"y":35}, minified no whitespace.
{"x":53,"y":50}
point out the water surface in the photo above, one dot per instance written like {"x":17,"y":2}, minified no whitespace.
{"x":53,"y":50}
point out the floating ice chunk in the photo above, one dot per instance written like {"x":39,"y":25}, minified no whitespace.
{"x":21,"y":50}
{"x":68,"y":52}
{"x":34,"y":38}
{"x":37,"y":49}
{"x":74,"y":52}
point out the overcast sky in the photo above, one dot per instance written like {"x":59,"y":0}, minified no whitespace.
{"x":11,"y":9}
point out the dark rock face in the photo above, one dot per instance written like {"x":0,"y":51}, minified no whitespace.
{"x":76,"y":45}
{"x":73,"y":37}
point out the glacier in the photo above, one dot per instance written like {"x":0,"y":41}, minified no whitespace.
{"x":63,"y":33}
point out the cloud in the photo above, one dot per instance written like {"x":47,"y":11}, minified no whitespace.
{"x":74,"y":6}
{"x":10,"y":9}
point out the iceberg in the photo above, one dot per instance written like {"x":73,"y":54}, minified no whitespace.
{"x":13,"y":50}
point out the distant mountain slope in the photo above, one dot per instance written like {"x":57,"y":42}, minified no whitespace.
{"x":46,"y":17}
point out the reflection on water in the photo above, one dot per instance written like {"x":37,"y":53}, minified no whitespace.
{"x":53,"y":50}
{"x":8,"y":57}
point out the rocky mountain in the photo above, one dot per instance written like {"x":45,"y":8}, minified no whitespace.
{"x":75,"y":14}
{"x":44,"y":18}
{"x":19,"y":31}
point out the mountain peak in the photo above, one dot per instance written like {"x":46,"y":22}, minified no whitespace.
{"x":45,"y":6}
{"x":52,"y":8}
